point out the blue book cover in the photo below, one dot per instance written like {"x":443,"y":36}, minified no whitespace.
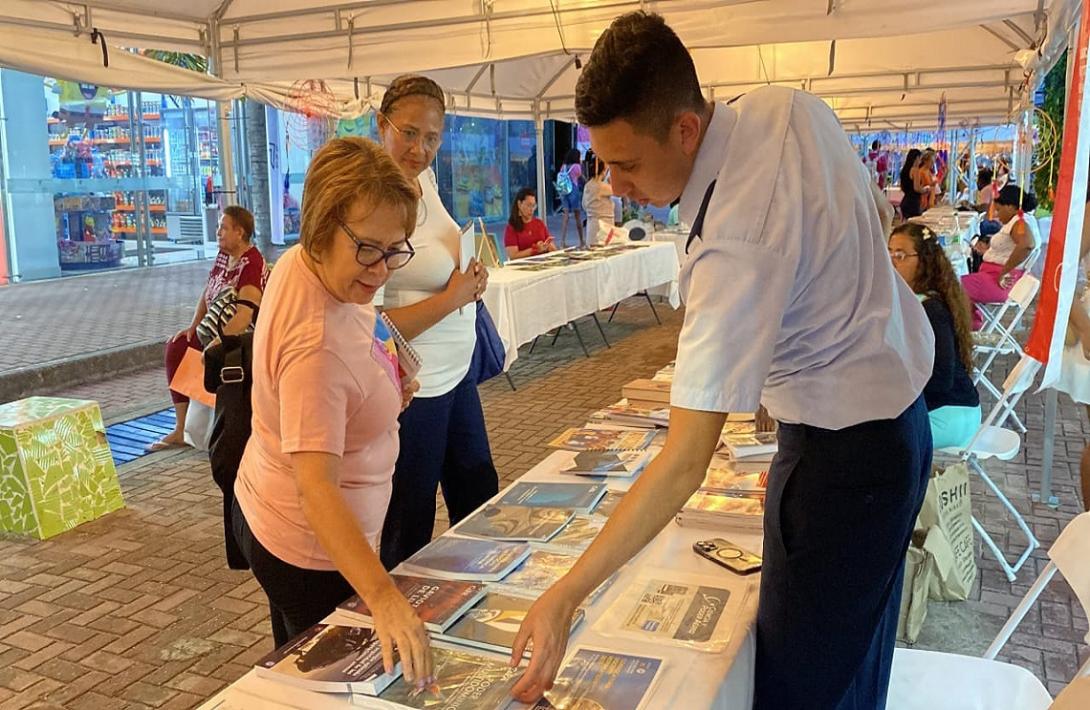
{"x":472,"y":559}
{"x":580,"y":497}
{"x":603,"y":679}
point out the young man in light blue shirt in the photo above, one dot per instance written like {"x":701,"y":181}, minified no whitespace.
{"x":791,"y":302}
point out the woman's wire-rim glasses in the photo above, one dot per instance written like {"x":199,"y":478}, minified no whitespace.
{"x":412,"y":136}
{"x":900,"y":255}
{"x":369,"y":255}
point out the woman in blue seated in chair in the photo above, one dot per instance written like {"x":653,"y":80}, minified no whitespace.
{"x":953,"y":404}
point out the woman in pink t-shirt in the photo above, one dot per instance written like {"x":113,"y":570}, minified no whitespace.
{"x":315,"y":480}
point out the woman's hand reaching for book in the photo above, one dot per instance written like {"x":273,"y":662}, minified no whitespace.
{"x":547,"y":626}
{"x":398,"y":626}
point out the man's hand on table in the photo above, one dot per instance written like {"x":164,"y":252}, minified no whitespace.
{"x":547,"y":625}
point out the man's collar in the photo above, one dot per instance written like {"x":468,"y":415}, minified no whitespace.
{"x":709,"y":160}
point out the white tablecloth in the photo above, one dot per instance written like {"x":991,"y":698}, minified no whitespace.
{"x":526,"y":304}
{"x":691,"y":679}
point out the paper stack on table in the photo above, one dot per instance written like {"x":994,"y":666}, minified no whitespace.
{"x":723,"y":510}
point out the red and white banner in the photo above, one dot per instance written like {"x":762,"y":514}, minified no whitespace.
{"x":1046,"y":340}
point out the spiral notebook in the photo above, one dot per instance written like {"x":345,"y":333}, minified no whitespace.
{"x":408,"y":360}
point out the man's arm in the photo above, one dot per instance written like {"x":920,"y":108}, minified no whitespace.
{"x":652,"y":502}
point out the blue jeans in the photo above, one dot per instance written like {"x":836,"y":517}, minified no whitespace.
{"x":839,"y":514}
{"x":443,"y":444}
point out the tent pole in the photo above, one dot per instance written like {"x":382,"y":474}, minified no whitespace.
{"x":223,"y":113}
{"x":539,"y":137}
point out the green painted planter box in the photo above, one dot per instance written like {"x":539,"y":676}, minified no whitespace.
{"x":56,"y":470}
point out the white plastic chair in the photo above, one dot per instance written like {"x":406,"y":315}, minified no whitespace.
{"x":929,"y":680}
{"x":997,"y":337}
{"x":994,"y":441}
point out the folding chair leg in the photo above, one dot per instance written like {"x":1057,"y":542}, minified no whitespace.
{"x":1010,"y":570}
{"x":557,"y":335}
{"x":533,"y":344}
{"x":1021,"y":610}
{"x":580,"y":336}
{"x":652,"y":304}
{"x":600,"y":331}
{"x":613,"y":312}
{"x":510,"y":381}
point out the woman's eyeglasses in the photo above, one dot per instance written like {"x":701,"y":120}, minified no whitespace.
{"x":370,"y":255}
{"x":900,"y":255}
{"x":431,"y":142}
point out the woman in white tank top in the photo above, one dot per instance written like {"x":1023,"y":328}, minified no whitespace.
{"x":432,"y":303}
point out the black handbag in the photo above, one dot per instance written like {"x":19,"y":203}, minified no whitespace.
{"x":488,"y":352}
{"x":228,"y":373}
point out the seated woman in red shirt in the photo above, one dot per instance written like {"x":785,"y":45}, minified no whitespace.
{"x":526,"y":235}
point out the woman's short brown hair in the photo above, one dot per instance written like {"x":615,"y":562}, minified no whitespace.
{"x":242,"y":219}
{"x":341,"y":172}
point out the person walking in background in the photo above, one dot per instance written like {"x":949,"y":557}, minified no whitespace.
{"x":239,"y":268}
{"x":314,"y":481}
{"x":432,"y":302}
{"x":953,"y":404}
{"x":569,"y":188}
{"x":597,"y":201}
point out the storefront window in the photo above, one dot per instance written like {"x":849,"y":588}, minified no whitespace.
{"x":478,"y":166}
{"x":521,"y":157}
{"x":128,"y":172}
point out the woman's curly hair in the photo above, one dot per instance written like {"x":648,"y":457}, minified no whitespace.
{"x":936,"y":278}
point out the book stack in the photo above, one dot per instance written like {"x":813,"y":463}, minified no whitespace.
{"x":464,"y":558}
{"x":493,"y":623}
{"x":725,"y":475}
{"x":625,"y":414}
{"x":648,"y":394}
{"x":743,"y":442}
{"x":438,"y":602}
{"x":723,"y":510}
{"x":577,"y":497}
{"x":330,"y":658}
{"x":515,"y":523}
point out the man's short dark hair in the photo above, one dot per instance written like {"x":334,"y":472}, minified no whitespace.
{"x":639,"y":71}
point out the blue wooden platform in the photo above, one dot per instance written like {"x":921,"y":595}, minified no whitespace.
{"x":130,"y":440}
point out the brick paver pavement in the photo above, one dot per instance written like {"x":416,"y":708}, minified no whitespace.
{"x":52,"y":321}
{"x":137,"y":610}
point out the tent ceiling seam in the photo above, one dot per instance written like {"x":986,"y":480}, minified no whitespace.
{"x":1000,"y":37}
{"x":556,"y":77}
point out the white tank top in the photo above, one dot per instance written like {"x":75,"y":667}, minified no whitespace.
{"x":447,"y":346}
{"x":1002,"y":244}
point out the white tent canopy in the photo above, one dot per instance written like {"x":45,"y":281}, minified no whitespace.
{"x":877,"y":63}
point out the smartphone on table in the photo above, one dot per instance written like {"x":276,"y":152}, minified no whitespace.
{"x":726,"y":554}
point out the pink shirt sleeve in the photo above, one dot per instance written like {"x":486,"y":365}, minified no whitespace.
{"x":314,"y":394}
